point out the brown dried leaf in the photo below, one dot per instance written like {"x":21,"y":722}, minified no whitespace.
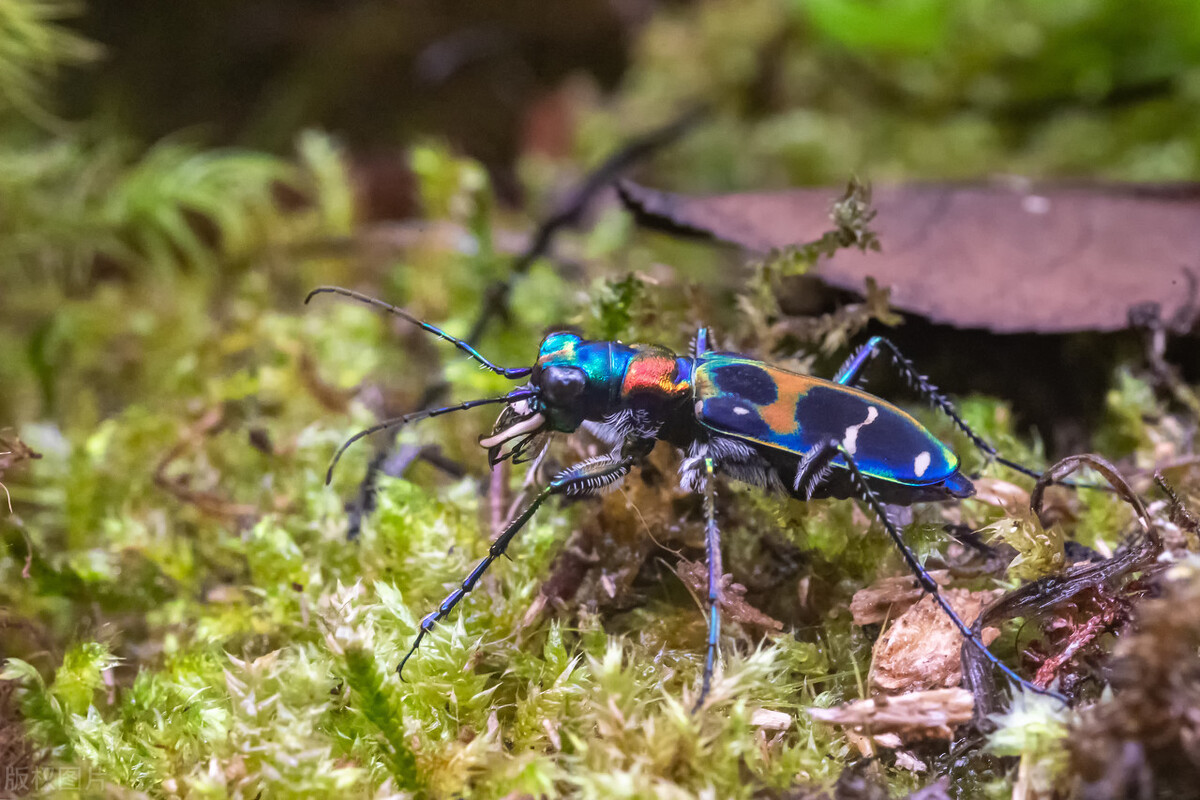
{"x":1045,"y":259}
{"x":887,"y":598}
{"x":912,"y":716}
{"x":733,"y":596}
{"x":922,"y":649}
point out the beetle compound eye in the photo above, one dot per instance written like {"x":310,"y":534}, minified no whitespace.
{"x":561,"y":385}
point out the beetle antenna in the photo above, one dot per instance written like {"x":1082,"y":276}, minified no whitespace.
{"x":512,"y":373}
{"x":396,"y":422}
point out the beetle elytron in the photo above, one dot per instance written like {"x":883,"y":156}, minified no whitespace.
{"x":731,"y":415}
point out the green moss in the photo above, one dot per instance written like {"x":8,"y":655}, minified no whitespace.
{"x":1034,"y":729}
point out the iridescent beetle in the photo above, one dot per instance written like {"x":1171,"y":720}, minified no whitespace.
{"x":731,"y":415}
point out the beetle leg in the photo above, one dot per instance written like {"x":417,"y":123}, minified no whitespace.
{"x":851,"y":370}
{"x":813,"y":468}
{"x":712,"y":546}
{"x":923,"y":578}
{"x":574,"y":481}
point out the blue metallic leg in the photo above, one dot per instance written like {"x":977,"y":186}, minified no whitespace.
{"x":577,"y":480}
{"x":712,"y":546}
{"x":923,"y":578}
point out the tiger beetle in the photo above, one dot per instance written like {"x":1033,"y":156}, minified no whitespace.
{"x":731,"y":415}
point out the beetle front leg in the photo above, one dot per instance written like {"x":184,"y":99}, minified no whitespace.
{"x":575,"y":481}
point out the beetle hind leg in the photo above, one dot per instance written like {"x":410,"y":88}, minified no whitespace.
{"x":868,"y":495}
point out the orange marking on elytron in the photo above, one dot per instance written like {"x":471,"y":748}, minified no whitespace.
{"x":781,"y":414}
{"x":652,"y":372}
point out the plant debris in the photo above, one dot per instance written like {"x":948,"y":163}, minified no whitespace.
{"x":733,"y":599}
{"x":1144,"y":741}
{"x":933,"y":713}
{"x":12,"y":452}
{"x":890,"y":597}
{"x":1078,"y":605}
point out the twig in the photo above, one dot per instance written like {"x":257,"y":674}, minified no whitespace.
{"x":210,"y":503}
{"x":1147,"y":317}
{"x":495,"y":297}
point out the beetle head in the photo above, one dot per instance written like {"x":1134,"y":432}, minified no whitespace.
{"x":571,"y":384}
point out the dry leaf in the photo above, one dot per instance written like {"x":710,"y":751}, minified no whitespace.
{"x":887,"y":598}
{"x":771,"y":720}
{"x":1001,"y":494}
{"x":733,"y":596}
{"x":1017,"y":258}
{"x":921,"y":649}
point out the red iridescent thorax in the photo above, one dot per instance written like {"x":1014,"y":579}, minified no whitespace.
{"x":654,"y":371}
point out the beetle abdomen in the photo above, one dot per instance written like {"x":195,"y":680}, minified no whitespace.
{"x":781,"y":410}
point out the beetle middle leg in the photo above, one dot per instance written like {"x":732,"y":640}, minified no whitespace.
{"x":868,"y":495}
{"x":583,"y":478}
{"x":851,"y":371}
{"x":712,"y":547}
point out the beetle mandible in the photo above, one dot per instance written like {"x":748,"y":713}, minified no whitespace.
{"x":731,"y":415}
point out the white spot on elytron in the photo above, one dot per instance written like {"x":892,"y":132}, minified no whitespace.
{"x":699,"y":408}
{"x":850,"y":440}
{"x":921,"y":463}
{"x":740,"y":411}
